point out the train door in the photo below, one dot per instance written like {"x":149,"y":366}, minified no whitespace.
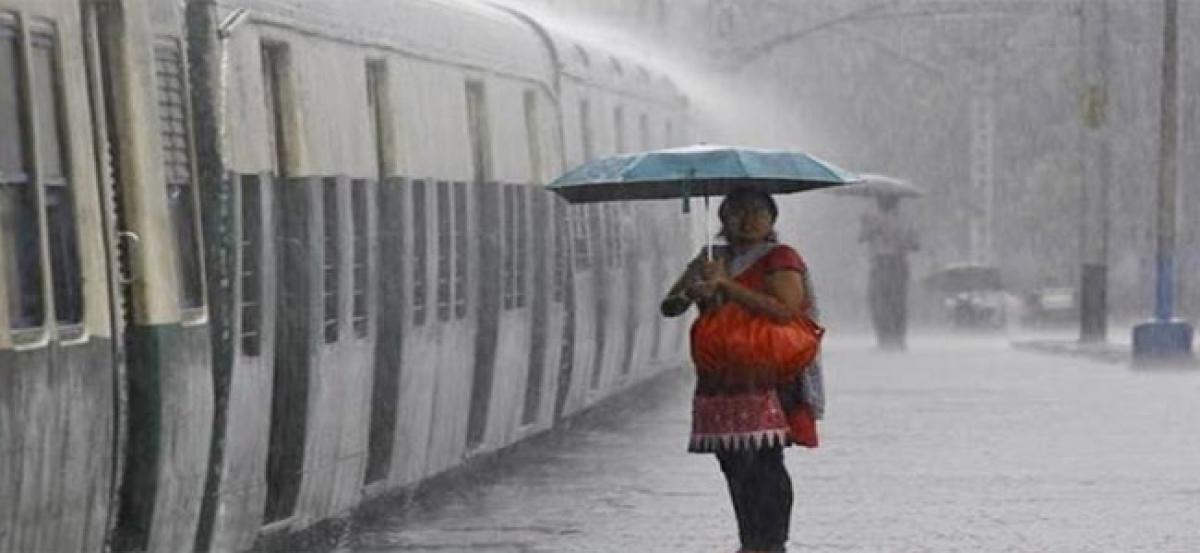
{"x":539,"y":338}
{"x":385,"y":386}
{"x":169,"y":406}
{"x":538,"y":329}
{"x":635,"y":305}
{"x":599,"y":222}
{"x":118,"y":273}
{"x":123,"y":244}
{"x":57,"y":369}
{"x":564,"y":293}
{"x":289,"y":395}
{"x":488,"y":235}
{"x":581,"y":288}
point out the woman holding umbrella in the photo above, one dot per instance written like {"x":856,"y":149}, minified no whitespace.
{"x":747,"y":422}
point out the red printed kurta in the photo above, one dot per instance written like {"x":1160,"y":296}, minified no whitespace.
{"x":754,"y":416}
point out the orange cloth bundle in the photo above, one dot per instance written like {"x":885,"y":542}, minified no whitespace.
{"x":736,"y":346}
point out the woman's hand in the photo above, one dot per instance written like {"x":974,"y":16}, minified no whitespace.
{"x":702,"y":290}
{"x":713,"y":276}
{"x":715,"y":272}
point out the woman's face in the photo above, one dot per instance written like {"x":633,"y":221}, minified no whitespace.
{"x":747,"y":223}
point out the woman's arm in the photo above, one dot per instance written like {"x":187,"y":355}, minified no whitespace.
{"x":680,"y":297}
{"x":677,"y":301}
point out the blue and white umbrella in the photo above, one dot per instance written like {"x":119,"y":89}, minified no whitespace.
{"x":700,"y":170}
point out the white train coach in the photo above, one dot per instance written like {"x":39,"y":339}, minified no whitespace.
{"x":264,"y":260}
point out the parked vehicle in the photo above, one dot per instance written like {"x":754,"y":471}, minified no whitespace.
{"x":1051,"y":306}
{"x":972,"y":295}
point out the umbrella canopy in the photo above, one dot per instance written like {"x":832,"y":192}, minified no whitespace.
{"x":696,"y":170}
{"x":965,"y":277}
{"x":875,"y":186}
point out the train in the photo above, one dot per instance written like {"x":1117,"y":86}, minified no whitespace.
{"x":266,"y":260}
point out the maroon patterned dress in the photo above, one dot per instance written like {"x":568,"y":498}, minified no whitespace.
{"x":725,"y":417}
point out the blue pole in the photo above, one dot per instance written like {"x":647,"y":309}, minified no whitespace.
{"x":1164,"y":294}
{"x":1166,"y":340}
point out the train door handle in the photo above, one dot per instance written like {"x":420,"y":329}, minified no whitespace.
{"x":133,"y":244}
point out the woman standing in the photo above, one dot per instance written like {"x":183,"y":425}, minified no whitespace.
{"x":747,"y":424}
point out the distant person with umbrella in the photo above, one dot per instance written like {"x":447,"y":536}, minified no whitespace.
{"x":890,"y":238}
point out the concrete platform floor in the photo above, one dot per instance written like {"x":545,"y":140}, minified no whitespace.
{"x":958,"y":445}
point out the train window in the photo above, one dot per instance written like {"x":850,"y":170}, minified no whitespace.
{"x":12,"y":124}
{"x":251,"y":248}
{"x":460,"y":250}
{"x":508,"y":246}
{"x":616,"y":65}
{"x":619,"y":228}
{"x":276,"y":65}
{"x":596,"y":224}
{"x":420,"y":254}
{"x":560,"y":249}
{"x":478,"y":130}
{"x":522,"y":244}
{"x":333,"y":258}
{"x":644,"y":131}
{"x":534,"y":137}
{"x":378,"y":117}
{"x":579,"y":229}
{"x":358,"y":218}
{"x":481,"y":161}
{"x":21,"y":232}
{"x":54,"y":172}
{"x":18,"y":198}
{"x":585,"y":130}
{"x":583,"y":252}
{"x":445,"y":242}
{"x":619,"y":129}
{"x":612,"y":224}
{"x":22,"y":255}
{"x":582,"y":55}
{"x":177,"y":156}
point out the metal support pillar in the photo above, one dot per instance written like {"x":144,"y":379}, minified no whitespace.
{"x":1096,"y":163}
{"x":1166,"y":340}
{"x":982,"y":160}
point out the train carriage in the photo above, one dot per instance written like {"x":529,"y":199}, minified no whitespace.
{"x":414,"y":110}
{"x":602,"y":94}
{"x":141,"y":91}
{"x":376,"y":289}
{"x":57,"y":354}
{"x":102,"y":162}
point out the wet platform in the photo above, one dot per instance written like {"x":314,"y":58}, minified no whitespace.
{"x":953,"y":446}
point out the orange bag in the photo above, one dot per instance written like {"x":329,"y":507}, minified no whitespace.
{"x":737,"y":346}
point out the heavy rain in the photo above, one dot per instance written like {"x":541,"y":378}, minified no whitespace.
{"x":543,"y":276}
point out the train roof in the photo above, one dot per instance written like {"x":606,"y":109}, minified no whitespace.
{"x":583,"y":59}
{"x":480,"y":35}
{"x":471,"y":34}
